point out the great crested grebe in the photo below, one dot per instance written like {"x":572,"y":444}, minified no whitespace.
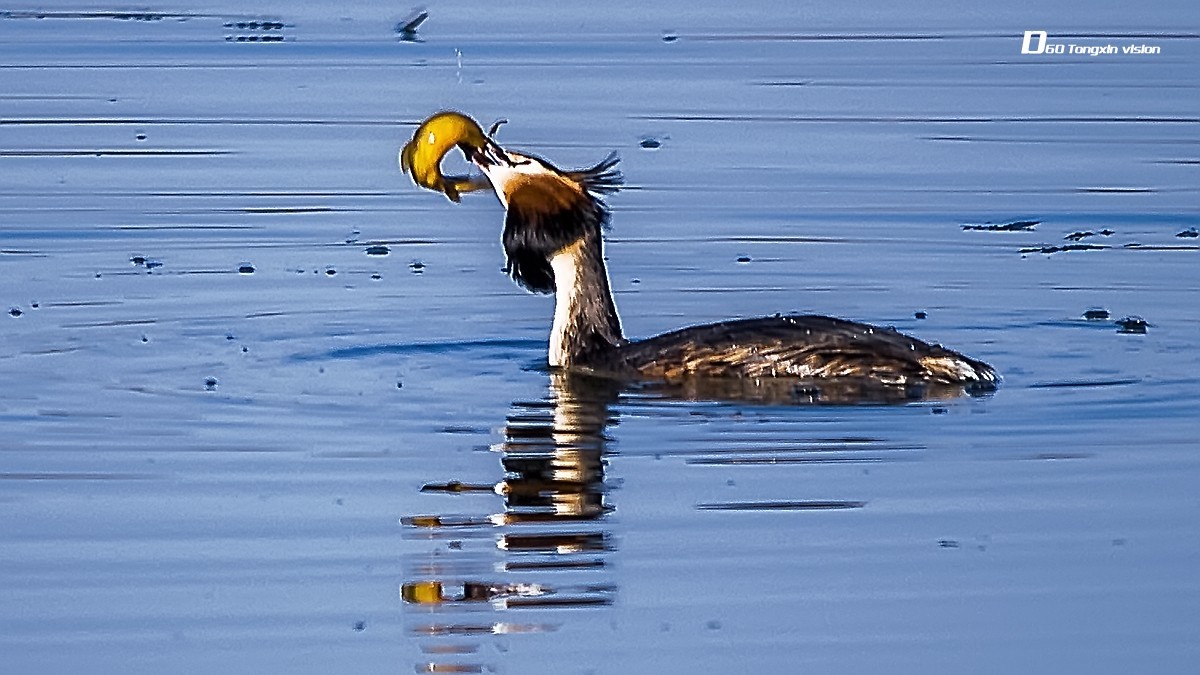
{"x":553,"y":242}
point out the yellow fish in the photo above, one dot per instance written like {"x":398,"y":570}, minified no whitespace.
{"x":422,"y":156}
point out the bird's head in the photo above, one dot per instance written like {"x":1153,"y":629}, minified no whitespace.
{"x":548,"y":209}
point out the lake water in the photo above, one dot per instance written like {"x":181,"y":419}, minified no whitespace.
{"x":267,"y":407}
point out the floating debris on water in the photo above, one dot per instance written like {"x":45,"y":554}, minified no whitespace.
{"x":407,"y":27}
{"x":210,"y":383}
{"x":360,"y":626}
{"x":650,"y":143}
{"x":781,"y":506}
{"x":1132,"y":324}
{"x":245,"y":268}
{"x":138,"y":260}
{"x":455,"y":486}
{"x":1190,"y":233}
{"x":15,"y":312}
{"x":330,"y":272}
{"x":669,"y":36}
{"x":1064,"y":248}
{"x":1096,"y":314}
{"x":1014,"y":226}
{"x":378,"y":249}
{"x":256,"y":31}
{"x":416,"y":266}
{"x":1080,"y":236}
{"x":153,"y":264}
{"x":920,"y":315}
{"x":376,"y":276}
{"x":743,"y":259}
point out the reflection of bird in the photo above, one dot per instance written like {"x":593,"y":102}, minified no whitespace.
{"x":553,"y":241}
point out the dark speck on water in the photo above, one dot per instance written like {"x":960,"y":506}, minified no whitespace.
{"x":920,"y":315}
{"x":378,"y":250}
{"x":246,"y":268}
{"x":330,"y":272}
{"x":210,"y":383}
{"x":1132,"y":324}
{"x":15,"y":311}
{"x":1190,"y":233}
{"x":650,"y":143}
{"x":1080,"y":236}
{"x":743,"y":259}
{"x":1015,"y":226}
{"x":416,"y":266}
{"x":1063,"y":249}
{"x":1096,"y":314}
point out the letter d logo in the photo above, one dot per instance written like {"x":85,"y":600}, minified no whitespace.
{"x":1041,"y":42}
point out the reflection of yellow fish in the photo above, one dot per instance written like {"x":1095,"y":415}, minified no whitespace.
{"x":421,"y":157}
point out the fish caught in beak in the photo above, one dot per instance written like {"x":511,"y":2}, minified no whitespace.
{"x":421,"y":158}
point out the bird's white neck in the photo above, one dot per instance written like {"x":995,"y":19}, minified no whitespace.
{"x":565,"y":264}
{"x":585,"y":325}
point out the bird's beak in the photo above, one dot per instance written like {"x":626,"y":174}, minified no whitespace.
{"x":488,"y":155}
